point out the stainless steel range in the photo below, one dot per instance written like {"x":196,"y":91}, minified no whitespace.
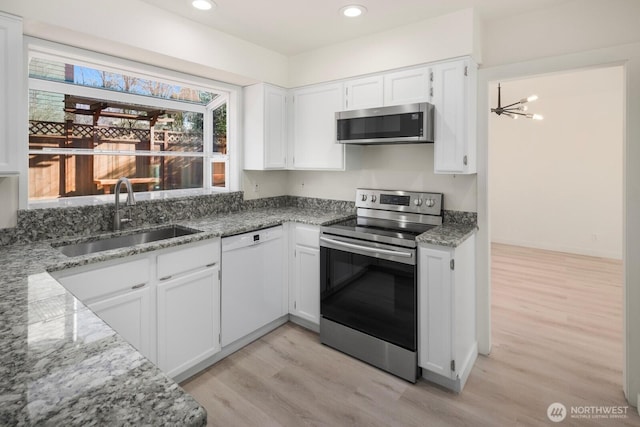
{"x":368,"y":278}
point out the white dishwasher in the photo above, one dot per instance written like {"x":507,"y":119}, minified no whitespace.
{"x":253,"y":285}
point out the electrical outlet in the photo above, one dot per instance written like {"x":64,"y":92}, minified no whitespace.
{"x":255,"y":187}
{"x":302,"y":184}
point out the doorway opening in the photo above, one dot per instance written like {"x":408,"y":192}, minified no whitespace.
{"x":556,"y":221}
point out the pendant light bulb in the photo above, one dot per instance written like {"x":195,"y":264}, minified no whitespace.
{"x":537,"y":117}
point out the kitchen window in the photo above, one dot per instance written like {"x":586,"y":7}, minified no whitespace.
{"x":93,"y":122}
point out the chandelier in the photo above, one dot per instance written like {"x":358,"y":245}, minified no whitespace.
{"x":516,"y":109}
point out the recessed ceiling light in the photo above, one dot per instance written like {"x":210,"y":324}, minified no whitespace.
{"x":353,"y":10}
{"x":202,"y":4}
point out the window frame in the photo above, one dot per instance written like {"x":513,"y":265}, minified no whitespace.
{"x":227,"y":94}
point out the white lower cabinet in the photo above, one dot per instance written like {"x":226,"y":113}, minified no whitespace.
{"x":447,"y":344}
{"x":165,"y":303}
{"x":188,"y":320}
{"x":130,"y":315}
{"x":304,"y":290}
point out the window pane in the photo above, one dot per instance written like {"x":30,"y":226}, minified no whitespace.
{"x":218,"y":174}
{"x":220,"y":129}
{"x":47,"y":69}
{"x":56,"y":175}
{"x":64,"y":121}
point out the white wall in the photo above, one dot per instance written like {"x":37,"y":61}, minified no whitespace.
{"x":270,"y":184}
{"x":429,"y":40}
{"x":135,"y":30}
{"x":9,"y":205}
{"x":573,"y":35}
{"x":557,"y":184}
{"x":572,"y":26}
{"x":402,"y":167}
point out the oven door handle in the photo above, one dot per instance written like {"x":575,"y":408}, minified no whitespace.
{"x":366,"y":248}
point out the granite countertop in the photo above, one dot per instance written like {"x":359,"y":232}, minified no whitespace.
{"x":62,"y":364}
{"x":451,"y":235}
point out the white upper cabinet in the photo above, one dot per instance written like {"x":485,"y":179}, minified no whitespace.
{"x":11,"y":93}
{"x":454,"y":98}
{"x":406,"y":86}
{"x":265,"y":127}
{"x":314,"y":127}
{"x":364,"y":93}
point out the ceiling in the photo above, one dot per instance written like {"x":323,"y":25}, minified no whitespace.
{"x":294,"y":26}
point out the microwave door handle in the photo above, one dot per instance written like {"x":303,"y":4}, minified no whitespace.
{"x":367,"y":248}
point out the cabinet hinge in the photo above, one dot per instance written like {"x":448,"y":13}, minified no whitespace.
{"x":452,"y":264}
{"x":431,"y":92}
{"x":431,"y":76}
{"x":466,"y":70}
{"x":453,"y":366}
{"x":464,"y":160}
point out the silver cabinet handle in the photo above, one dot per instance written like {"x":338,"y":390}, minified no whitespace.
{"x":213,"y":264}
{"x":166,"y":277}
{"x":138,"y":286}
{"x":367,"y":248}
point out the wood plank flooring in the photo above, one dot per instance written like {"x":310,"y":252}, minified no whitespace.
{"x":557,"y":337}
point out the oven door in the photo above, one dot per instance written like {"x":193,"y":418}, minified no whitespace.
{"x":368,"y":290}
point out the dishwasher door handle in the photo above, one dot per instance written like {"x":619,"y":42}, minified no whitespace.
{"x":366,"y":248}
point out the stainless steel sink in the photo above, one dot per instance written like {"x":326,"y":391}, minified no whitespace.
{"x":84,"y":248}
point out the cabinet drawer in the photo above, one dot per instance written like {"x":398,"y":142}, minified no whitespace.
{"x":182,"y":260}
{"x":103,"y":281}
{"x":308,"y":235}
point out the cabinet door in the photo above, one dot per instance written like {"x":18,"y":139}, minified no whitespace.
{"x":306,"y":294}
{"x":188,"y":320}
{"x":314,"y":127}
{"x":11,"y":93}
{"x":454,"y":114}
{"x":129,"y":315}
{"x":435,"y":329}
{"x":364,"y":93}
{"x":406,"y":87}
{"x":275,"y":132}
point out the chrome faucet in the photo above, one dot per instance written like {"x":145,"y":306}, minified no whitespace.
{"x":117,"y":220}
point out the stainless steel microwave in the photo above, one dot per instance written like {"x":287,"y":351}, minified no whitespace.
{"x":398,"y":124}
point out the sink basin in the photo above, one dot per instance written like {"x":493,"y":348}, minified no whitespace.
{"x":84,"y":248}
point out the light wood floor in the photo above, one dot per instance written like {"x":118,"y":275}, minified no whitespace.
{"x":557,"y":337}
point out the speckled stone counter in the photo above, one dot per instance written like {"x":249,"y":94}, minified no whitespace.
{"x":448,"y":234}
{"x":62,"y":365}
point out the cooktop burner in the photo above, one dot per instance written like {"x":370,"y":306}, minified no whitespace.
{"x":391,"y":216}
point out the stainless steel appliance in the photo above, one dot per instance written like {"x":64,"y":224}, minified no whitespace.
{"x":398,"y":124}
{"x":368,"y":278}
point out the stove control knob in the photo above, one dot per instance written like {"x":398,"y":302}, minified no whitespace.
{"x":430,"y":203}
{"x":417,"y":202}
{"x":364,"y":197}
{"x":374,"y":198}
